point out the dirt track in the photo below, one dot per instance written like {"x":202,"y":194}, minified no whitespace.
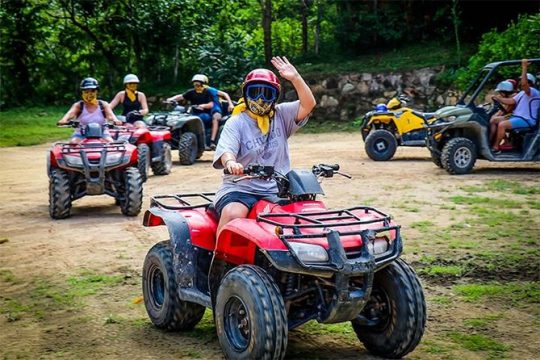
{"x":38,"y":255}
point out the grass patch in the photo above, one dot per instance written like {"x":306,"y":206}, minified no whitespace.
{"x":316,"y":127}
{"x":423,"y":226}
{"x":31,"y":126}
{"x":522,"y":292}
{"x":438,"y":270}
{"x":314,"y":328}
{"x":485,"y":201}
{"x":482,"y":322}
{"x":479,"y":342}
{"x":442,"y":300}
{"x":503,"y":186}
{"x":7,"y":276}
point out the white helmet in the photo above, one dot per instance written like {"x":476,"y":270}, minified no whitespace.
{"x":131,"y":78}
{"x":505,"y":86}
{"x":200,"y":78}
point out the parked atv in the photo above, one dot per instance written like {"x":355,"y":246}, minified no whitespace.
{"x":93,"y":167}
{"x":153,"y":147}
{"x":393,"y":125}
{"x":187,"y":132}
{"x":290,"y":261}
{"x":460,"y":135}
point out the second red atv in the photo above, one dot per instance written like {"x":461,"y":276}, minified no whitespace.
{"x":290,"y":261}
{"x":93,"y":167}
{"x":153,"y":146}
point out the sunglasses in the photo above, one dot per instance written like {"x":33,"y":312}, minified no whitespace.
{"x":197,"y":84}
{"x":257,"y":91}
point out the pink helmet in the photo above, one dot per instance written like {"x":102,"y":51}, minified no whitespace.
{"x":263,"y":76}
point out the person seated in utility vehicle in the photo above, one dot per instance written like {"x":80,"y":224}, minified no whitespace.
{"x":200,"y":97}
{"x":89,"y":110}
{"x":134,"y":104}
{"x":505,"y":89}
{"x":257,"y":133}
{"x":526,"y":110}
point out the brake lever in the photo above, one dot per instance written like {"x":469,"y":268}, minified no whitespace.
{"x":343,"y":174}
{"x":246,"y":177}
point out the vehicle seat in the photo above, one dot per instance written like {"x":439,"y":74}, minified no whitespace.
{"x":277,"y":200}
{"x":211,"y":211}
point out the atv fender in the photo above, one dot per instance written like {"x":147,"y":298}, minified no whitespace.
{"x":181,"y":247}
{"x":240,"y":238}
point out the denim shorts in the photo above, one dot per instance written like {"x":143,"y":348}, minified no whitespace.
{"x":520,"y":123}
{"x":237,"y":196}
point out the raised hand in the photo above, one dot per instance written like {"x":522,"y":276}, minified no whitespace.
{"x":285,"y":68}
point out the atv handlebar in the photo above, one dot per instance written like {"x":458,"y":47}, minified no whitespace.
{"x":255,"y":171}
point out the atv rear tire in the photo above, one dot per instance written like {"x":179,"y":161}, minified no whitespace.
{"x":132,"y":203}
{"x":164,"y":307}
{"x":250,"y":315}
{"x":188,"y":148}
{"x":381,"y":145}
{"x":458,"y":156}
{"x":143,"y":161}
{"x":59,"y":194}
{"x":395,"y":312}
{"x":163,"y":167}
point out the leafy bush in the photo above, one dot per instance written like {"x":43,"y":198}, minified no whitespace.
{"x":518,"y":41}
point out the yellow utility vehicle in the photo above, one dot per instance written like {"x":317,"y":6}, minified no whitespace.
{"x":393,"y":124}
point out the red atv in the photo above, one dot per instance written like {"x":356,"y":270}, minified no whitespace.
{"x":290,"y":261}
{"x":153,"y":146}
{"x":93,"y":167}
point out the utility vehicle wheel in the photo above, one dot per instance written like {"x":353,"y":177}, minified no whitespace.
{"x":164,"y":307}
{"x":188,"y":148}
{"x":436,"y":159}
{"x":163,"y":167}
{"x":143,"y":161}
{"x":395,"y":315}
{"x":458,"y":156}
{"x":250,"y":316}
{"x":131,"y":205}
{"x":59,"y":194}
{"x":381,"y":145}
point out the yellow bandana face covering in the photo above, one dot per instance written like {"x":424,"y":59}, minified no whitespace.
{"x":89,"y":96}
{"x":198,"y":87}
{"x":130,"y":91}
{"x":266,"y":111}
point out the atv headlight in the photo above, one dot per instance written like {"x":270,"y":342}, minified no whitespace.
{"x":378,"y":246}
{"x":113,"y":158}
{"x":72,"y":160}
{"x":309,"y":253}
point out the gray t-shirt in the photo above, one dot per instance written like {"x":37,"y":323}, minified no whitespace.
{"x":242,"y":137}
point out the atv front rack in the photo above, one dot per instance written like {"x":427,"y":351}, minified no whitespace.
{"x":329,"y":225}
{"x":179,"y":202}
{"x":69,"y":148}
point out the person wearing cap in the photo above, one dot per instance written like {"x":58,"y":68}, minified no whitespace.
{"x":134,"y":104}
{"x":89,"y":110}
{"x":257,"y":133}
{"x":505,"y":89}
{"x":524,"y":114}
{"x":200,"y":97}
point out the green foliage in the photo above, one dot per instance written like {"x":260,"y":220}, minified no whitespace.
{"x":519,"y":40}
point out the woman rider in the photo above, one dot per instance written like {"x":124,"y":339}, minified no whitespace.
{"x":134,"y":104}
{"x":89,"y":110}
{"x":257,"y":133}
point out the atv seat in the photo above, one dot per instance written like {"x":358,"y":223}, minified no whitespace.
{"x":277,"y":200}
{"x":211,"y":210}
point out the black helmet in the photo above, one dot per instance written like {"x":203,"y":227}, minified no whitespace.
{"x":89,"y":83}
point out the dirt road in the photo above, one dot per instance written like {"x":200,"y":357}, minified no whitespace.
{"x":71,"y":288}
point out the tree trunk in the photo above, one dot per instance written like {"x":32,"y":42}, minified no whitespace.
{"x":267,"y":29}
{"x":318,"y":27}
{"x":304,"y":9}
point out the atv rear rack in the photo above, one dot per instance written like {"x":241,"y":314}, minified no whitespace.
{"x":205,"y":200}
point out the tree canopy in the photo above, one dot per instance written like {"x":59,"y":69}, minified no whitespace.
{"x":48,"y":47}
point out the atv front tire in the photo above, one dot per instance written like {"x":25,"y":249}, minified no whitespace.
{"x":395,"y":315}
{"x":164,"y":307}
{"x":132,"y":202}
{"x":144,"y":160}
{"x":436,"y":159}
{"x":381,"y":145}
{"x":458,"y":156}
{"x":250,"y":315}
{"x":188,"y":148}
{"x":163,"y":167}
{"x":59,"y":194}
